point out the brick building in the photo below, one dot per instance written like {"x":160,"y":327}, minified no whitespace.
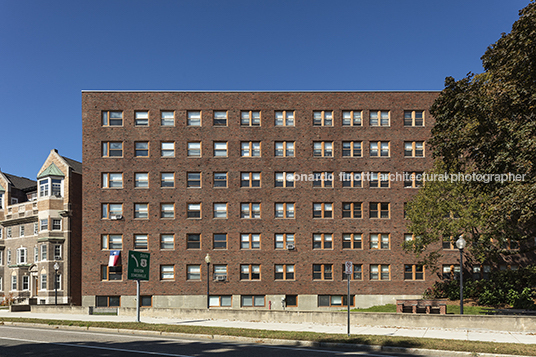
{"x":279,"y":188}
{"x":40,"y":229}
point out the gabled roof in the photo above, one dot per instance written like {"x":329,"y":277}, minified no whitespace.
{"x":22,"y":183}
{"x":75,"y":165}
{"x":51,"y":170}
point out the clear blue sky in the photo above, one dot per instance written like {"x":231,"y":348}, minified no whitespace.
{"x":52,"y":50}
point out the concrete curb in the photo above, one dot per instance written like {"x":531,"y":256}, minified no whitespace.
{"x":293,"y":343}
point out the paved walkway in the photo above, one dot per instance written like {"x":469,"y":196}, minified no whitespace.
{"x":450,"y":334}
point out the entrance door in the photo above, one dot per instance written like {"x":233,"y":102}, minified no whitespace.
{"x":35,"y":290}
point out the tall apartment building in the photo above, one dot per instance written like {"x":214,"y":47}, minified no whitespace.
{"x":40,"y":234}
{"x":280,"y":189}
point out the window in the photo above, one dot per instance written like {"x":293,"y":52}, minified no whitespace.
{"x":250,"y":149}
{"x":194,"y":210}
{"x":409,"y":239}
{"x":43,"y":282}
{"x":112,"y":210}
{"x":194,"y":118}
{"x":413,"y":118}
{"x":112,"y":149}
{"x":284,"y":240}
{"x":146,"y":301}
{"x":43,"y":188}
{"x":112,"y":118}
{"x":351,"y":118}
{"x":193,"y":272}
{"x":36,"y":254}
{"x":352,"y":241}
{"x":35,"y":231}
{"x":167,"y":210}
{"x":322,"y":118}
{"x":379,"y":149}
{"x":284,"y":118}
{"x":141,"y":210}
{"x":141,"y":149}
{"x":167,"y":149}
{"x":219,"y":241}
{"x":167,"y":272}
{"x":414,"y":149}
{"x":108,"y":241}
{"x":284,"y":179}
{"x":352,"y":148}
{"x":140,"y":241}
{"x":194,"y":149}
{"x":220,"y":210}
{"x":57,"y":252}
{"x":357,"y":272}
{"x":220,"y":270}
{"x":413,"y":179}
{"x":8,"y":256}
{"x":22,"y":256}
{"x":379,"y":180}
{"x":220,"y":118}
{"x":379,"y":241}
{"x":351,"y":179}
{"x":109,"y":273}
{"x":14,"y":282}
{"x":413,"y":272}
{"x":252,"y":300}
{"x":481,"y":272}
{"x":380,"y":272}
{"x":167,"y":179}
{"x":322,"y":241}
{"x":193,"y":241}
{"x":379,"y":118}
{"x":334,"y":300}
{"x":220,"y":301}
{"x":284,"y":272}
{"x":250,"y":272}
{"x":21,"y":229}
{"x":250,"y":241}
{"x":167,"y":241}
{"x":2,"y":261}
{"x":322,"y":271}
{"x":352,"y":210}
{"x":379,"y":210}
{"x":448,"y":243}
{"x":250,"y":179}
{"x":509,"y":244}
{"x":322,"y":210}
{"x":44,"y":253}
{"x":323,"y":148}
{"x":112,"y":180}
{"x":56,"y":225}
{"x":141,"y":118}
{"x":57,"y":281}
{"x":1,"y":283}
{"x":250,"y":210}
{"x":54,"y":184}
{"x":323,"y":179}
{"x":108,"y":301}
{"x":250,"y":118}
{"x":284,"y":210}
{"x":167,"y":118}
{"x":141,"y":179}
{"x":220,"y":149}
{"x":220,"y":179}
{"x":284,"y":148}
{"x":9,"y":233}
{"x":194,"y":180}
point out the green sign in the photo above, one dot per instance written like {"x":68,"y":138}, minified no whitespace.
{"x":138,"y":265}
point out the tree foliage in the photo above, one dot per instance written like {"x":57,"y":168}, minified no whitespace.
{"x":485,"y":124}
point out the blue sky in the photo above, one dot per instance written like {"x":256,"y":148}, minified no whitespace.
{"x":52,"y":50}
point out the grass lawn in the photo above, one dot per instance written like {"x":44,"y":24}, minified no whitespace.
{"x":407,"y":342}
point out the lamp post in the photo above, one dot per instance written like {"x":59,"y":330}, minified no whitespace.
{"x":56,"y":268}
{"x":207,"y":260}
{"x":460,"y":244}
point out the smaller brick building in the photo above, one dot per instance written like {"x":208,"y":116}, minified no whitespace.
{"x":40,"y":234}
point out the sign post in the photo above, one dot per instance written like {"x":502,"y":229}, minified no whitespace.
{"x":348,"y":271}
{"x":138,"y":269}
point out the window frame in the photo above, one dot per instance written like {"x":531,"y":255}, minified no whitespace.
{"x":253,"y":273}
{"x":352,"y":242}
{"x":288,"y":118}
{"x":166,"y":182}
{"x":167,"y":272}
{"x":381,"y":242}
{"x":168,"y":152}
{"x":164,"y":242}
{"x":164,"y":120}
{"x":191,"y":120}
{"x":377,"y":210}
{"x":216,"y":212}
{"x":250,"y":210}
{"x":140,"y":121}
{"x":220,"y":152}
{"x":219,"y":181}
{"x":140,"y":151}
{"x":413,"y":273}
{"x":354,"y":211}
{"x":357,"y":272}
{"x":248,"y":179}
{"x":192,"y":213}
{"x":141,"y":210}
{"x":321,"y":179}
{"x":139,"y":182}
{"x":190,"y":181}
{"x":284,"y":183}
{"x":411,"y":179}
{"x":218,"y":244}
{"x":322,"y":118}
{"x":107,"y":118}
{"x":191,"y":242}
{"x":194,"y":152}
{"x":322,"y":241}
{"x":166,"y":212}
{"x":286,"y":211}
{"x":380,"y":179}
{"x":414,"y":151}
{"x":413,"y":120}
{"x":248,"y":149}
{"x":380,"y":149}
{"x":324,"y":212}
{"x":287,"y":149}
{"x":352,"y":118}
{"x":380,"y":271}
{"x":107,"y":243}
{"x":320,"y":149}
{"x":250,"y":241}
{"x":110,"y":183}
{"x":191,"y":274}
{"x":325,"y":271}
{"x":250,"y":119}
{"x":109,"y":152}
{"x":379,"y":118}
{"x":288,"y":272}
{"x":219,"y":122}
{"x":282,"y":243}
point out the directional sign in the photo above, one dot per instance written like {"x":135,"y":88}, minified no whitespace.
{"x":348,"y":266}
{"x":138,"y":265}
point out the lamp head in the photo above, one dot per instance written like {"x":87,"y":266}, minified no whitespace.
{"x":207,"y":259}
{"x":460,"y":243}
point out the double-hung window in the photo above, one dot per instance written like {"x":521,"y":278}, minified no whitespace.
{"x":250,"y":149}
{"x":250,"y":179}
{"x":250,"y":118}
{"x":352,"y":210}
{"x":194,"y":118}
{"x":352,"y":148}
{"x":379,"y":118}
{"x":414,"y":149}
{"x":250,"y":210}
{"x":413,"y":118}
{"x":167,"y":149}
{"x":284,"y":210}
{"x":112,"y":180}
{"x":379,"y":149}
{"x":322,"y":210}
{"x":284,"y":118}
{"x":250,"y":241}
{"x":284,"y":148}
{"x":379,"y":241}
{"x":141,"y":118}
{"x":250,"y":272}
{"x":322,"y":271}
{"x":112,"y":149}
{"x":220,"y":118}
{"x":352,"y":241}
{"x":322,"y":241}
{"x":220,"y":149}
{"x":323,"y":148}
{"x":141,"y":149}
{"x":284,"y":179}
{"x":167,"y":118}
{"x":112,"y":118}
{"x":323,"y":118}
{"x":351,"y":117}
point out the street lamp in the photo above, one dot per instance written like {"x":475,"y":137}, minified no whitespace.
{"x":207,"y":260}
{"x":460,"y":244}
{"x":56,"y":268}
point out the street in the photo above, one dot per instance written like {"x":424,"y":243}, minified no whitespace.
{"x":30,"y":341}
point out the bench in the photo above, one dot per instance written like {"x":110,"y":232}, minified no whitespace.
{"x":420,"y":306}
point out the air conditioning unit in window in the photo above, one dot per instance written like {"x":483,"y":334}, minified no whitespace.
{"x":115,"y":217}
{"x":220,"y":278}
{"x":291,"y":247}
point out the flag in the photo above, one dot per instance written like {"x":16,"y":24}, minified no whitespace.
{"x":114,"y":257}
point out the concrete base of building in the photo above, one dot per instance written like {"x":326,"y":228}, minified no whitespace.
{"x":271,"y":302}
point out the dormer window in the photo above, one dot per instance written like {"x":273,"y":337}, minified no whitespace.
{"x":51,"y":182}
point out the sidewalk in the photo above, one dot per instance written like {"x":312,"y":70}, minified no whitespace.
{"x":445,"y":334}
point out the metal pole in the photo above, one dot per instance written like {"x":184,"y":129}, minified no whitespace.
{"x":208,"y":285}
{"x":138,"y":302}
{"x":461,"y":281}
{"x":348,"y":303}
{"x":55,"y":287}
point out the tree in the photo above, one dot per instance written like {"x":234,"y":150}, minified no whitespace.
{"x":485,"y":125}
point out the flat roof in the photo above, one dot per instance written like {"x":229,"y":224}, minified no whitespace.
{"x":254,"y":91}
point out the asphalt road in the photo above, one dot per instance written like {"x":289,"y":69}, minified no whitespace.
{"x":31,"y":341}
